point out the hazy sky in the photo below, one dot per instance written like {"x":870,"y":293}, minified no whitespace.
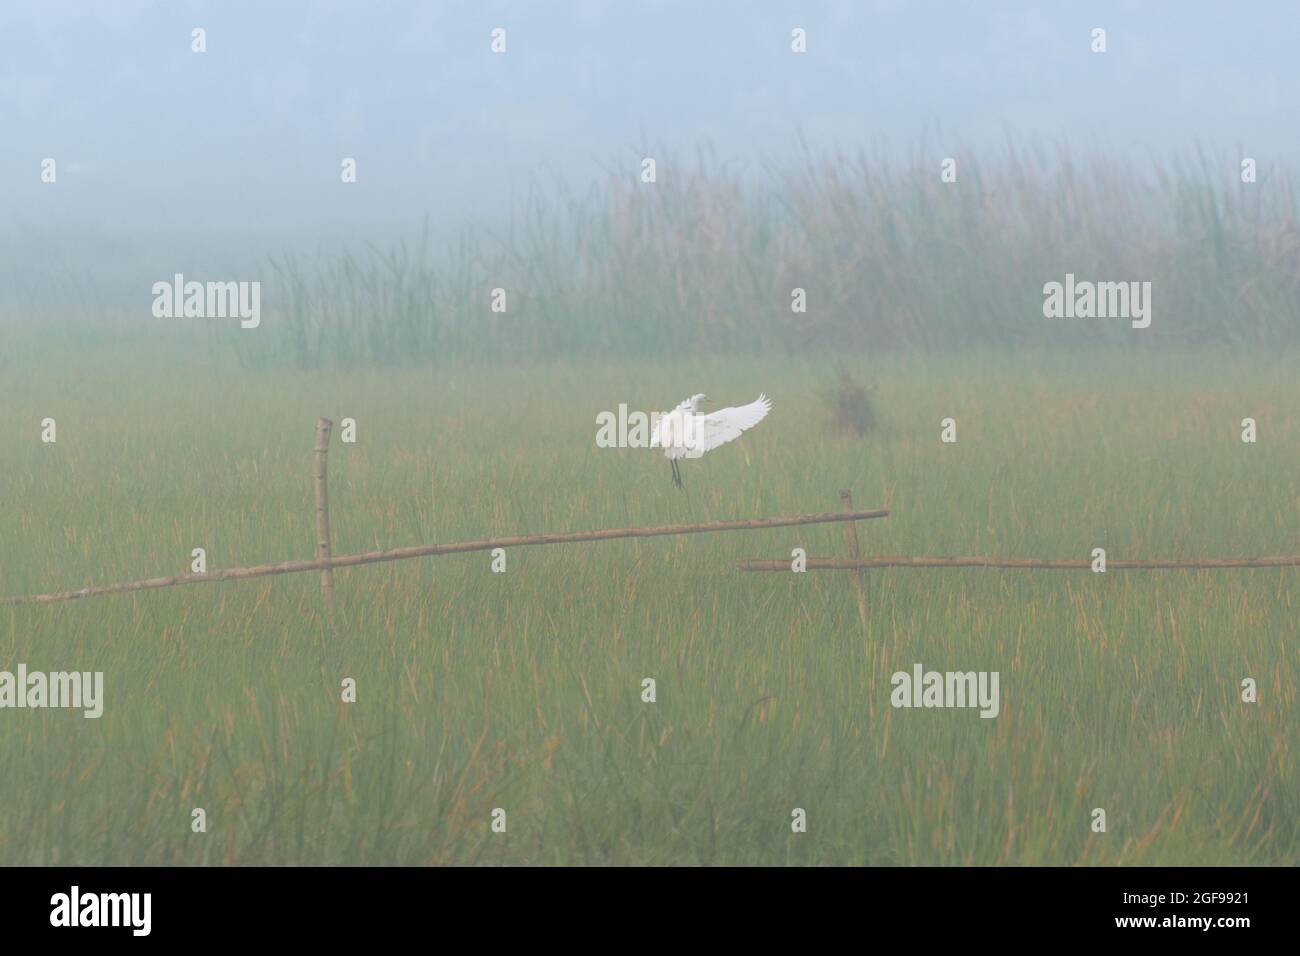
{"x":246,"y":139}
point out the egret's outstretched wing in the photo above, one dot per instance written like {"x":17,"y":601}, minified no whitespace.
{"x":718,"y":428}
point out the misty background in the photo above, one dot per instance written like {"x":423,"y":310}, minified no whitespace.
{"x":174,"y":161}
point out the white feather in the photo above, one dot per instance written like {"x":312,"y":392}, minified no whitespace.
{"x":727,"y":424}
{"x":683,"y":433}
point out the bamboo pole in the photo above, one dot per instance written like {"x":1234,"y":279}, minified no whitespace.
{"x":320,"y":463}
{"x":851,"y":539}
{"x":901,"y":561}
{"x":428,"y":550}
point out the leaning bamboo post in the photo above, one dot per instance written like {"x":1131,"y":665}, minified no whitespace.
{"x":429,"y":550}
{"x":851,"y":539}
{"x":321,"y":458}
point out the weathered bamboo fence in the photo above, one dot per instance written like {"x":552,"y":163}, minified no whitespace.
{"x":858,"y":564}
{"x":429,"y":550}
{"x":325,"y":562}
{"x":903,"y":561}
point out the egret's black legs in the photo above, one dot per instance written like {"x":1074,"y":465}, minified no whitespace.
{"x":677,"y":473}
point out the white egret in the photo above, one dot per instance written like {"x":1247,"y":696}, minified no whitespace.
{"x":685,"y":433}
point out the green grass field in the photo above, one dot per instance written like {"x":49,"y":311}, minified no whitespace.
{"x":522,"y":690}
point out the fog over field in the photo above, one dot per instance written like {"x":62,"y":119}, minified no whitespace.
{"x":226,"y":157}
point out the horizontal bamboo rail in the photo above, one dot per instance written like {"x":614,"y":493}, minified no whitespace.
{"x":427,"y":550}
{"x":901,"y":561}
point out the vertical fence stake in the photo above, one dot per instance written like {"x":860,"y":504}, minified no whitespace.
{"x":851,"y":539}
{"x":323,"y":428}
